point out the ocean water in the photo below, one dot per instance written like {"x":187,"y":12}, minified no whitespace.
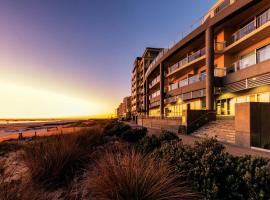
{"x":25,"y":121}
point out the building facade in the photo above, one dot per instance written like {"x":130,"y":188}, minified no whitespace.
{"x":124,"y":109}
{"x":138,"y":94}
{"x":224,"y":61}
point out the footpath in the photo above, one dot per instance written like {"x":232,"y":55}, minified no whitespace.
{"x":230,"y":148}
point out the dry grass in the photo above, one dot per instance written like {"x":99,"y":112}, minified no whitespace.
{"x":122,"y":175}
{"x":9,"y":146}
{"x":54,"y":162}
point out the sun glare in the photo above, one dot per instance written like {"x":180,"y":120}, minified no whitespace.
{"x":19,"y":101}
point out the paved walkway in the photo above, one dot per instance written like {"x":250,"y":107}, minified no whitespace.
{"x":230,"y":148}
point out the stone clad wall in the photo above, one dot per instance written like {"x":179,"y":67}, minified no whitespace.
{"x":252,"y":124}
{"x":170,"y":124}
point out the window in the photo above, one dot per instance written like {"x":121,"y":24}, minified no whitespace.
{"x":263,"y":54}
{"x":248,"y":60}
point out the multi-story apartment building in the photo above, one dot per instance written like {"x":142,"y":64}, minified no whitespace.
{"x":224,"y":61}
{"x":124,"y":109}
{"x":221,"y":63}
{"x":141,"y":64}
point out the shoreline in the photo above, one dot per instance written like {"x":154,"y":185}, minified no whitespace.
{"x":17,"y":130}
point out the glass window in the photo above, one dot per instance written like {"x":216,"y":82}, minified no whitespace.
{"x":263,"y":54}
{"x":248,"y":60}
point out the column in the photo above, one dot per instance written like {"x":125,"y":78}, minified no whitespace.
{"x":146,"y":96}
{"x":161,"y":71}
{"x":209,"y":47}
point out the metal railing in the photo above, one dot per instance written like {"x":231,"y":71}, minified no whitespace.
{"x":210,"y":14}
{"x":186,"y":60}
{"x":251,"y":26}
{"x":187,"y":81}
{"x":156,"y":80}
{"x":220,"y":72}
{"x":222,"y":6}
{"x":155,"y":94}
{"x":196,"y":55}
{"x":220,"y":46}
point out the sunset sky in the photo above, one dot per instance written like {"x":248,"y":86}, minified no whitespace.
{"x":61,"y":58}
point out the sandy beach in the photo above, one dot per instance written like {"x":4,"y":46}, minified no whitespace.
{"x":12,"y":129}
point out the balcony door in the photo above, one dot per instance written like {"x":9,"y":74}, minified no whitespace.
{"x":263,"y":53}
{"x":248,"y":60}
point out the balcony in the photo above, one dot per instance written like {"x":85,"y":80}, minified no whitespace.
{"x":154,"y":95}
{"x":223,"y":4}
{"x":186,"y":61}
{"x":254,"y":31}
{"x":155,"y":104}
{"x":253,"y":58}
{"x":187,"y":81}
{"x":154,"y":82}
{"x":220,"y":72}
{"x":219,"y":47}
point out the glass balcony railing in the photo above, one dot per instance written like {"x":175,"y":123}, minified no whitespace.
{"x":173,"y":68}
{"x":220,"y":72}
{"x":210,"y":14}
{"x":186,"y":60}
{"x":251,"y":26}
{"x":156,"y":80}
{"x":224,"y":4}
{"x":253,"y":58}
{"x":196,"y":55}
{"x":155,"y":94}
{"x":219,"y":46}
{"x":193,"y":79}
{"x":183,"y":83}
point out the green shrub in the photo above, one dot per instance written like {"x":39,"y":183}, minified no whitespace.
{"x":217,"y":174}
{"x":168,"y":136}
{"x":116,"y":128}
{"x":148,"y":144}
{"x":134,"y":135}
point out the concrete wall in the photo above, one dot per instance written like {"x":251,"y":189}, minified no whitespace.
{"x":252,"y":124}
{"x":170,"y":124}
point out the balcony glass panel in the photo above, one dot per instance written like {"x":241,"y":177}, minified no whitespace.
{"x":173,"y":86}
{"x":183,"y":62}
{"x":223,"y":5}
{"x":173,"y":68}
{"x":194,"y":79}
{"x":263,"y":18}
{"x":183,"y":83}
{"x":251,"y":26}
{"x":220,"y":72}
{"x":203,"y":76}
{"x":196,"y":55}
{"x":157,"y":79}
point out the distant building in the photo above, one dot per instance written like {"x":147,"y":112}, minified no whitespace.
{"x":141,"y":64}
{"x":124,"y":109}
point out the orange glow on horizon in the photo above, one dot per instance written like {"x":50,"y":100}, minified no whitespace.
{"x":19,"y":101}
